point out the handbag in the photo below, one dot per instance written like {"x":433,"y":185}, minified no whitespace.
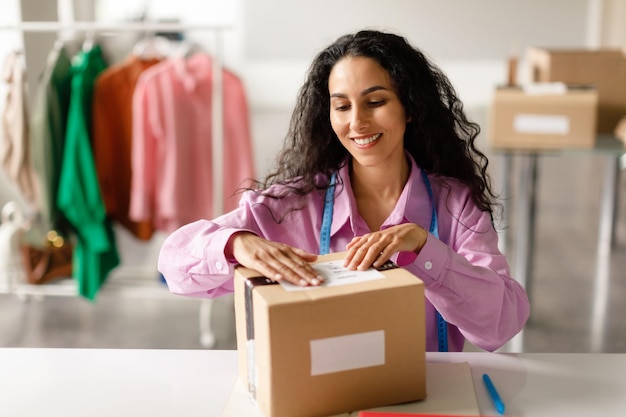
{"x":51,"y":262}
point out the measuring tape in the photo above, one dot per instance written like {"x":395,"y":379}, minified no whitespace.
{"x":327,"y":219}
{"x":442,"y":326}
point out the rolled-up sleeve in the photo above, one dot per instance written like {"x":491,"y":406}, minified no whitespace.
{"x":190,"y":267}
{"x":192,"y":258}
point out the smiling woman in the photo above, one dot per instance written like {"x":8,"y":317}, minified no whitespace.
{"x":367,"y":116}
{"x":379,"y":134}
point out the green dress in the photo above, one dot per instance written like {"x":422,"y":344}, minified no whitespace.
{"x":79,"y":196}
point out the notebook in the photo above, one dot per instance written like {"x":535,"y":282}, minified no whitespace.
{"x":449,"y":386}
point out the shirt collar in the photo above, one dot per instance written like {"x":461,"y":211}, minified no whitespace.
{"x":413,"y":205}
{"x":192,"y":70}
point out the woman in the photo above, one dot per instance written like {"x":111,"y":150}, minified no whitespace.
{"x":381,"y":127}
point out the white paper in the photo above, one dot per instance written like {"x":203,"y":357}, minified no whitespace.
{"x":343,"y":353}
{"x":541,"y":124}
{"x":449,"y":385}
{"x":336,"y":274}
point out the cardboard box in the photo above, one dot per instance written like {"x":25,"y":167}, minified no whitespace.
{"x":606,"y":68}
{"x":620,"y":130}
{"x":520,"y":120}
{"x":331,"y":349}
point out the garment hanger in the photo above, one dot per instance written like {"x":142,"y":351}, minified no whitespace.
{"x":89,"y":41}
{"x":184,"y":48}
{"x":152,"y":47}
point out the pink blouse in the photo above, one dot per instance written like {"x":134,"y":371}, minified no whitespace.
{"x":466,"y":277}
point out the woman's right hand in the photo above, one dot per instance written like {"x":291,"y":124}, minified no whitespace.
{"x":274,"y":260}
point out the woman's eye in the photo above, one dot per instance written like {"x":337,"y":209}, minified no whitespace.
{"x":376,"y":103}
{"x":342,"y":108}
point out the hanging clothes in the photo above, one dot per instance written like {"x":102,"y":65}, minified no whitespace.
{"x":14,"y":146}
{"x":112,"y":139}
{"x":47,"y":137}
{"x":172,"y":143}
{"x":79,"y":197}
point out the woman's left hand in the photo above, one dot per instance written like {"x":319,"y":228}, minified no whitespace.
{"x":374,"y":249}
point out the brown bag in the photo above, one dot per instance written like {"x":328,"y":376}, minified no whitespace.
{"x":47,"y":263}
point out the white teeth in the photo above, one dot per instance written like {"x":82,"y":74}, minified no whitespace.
{"x":365,"y":141}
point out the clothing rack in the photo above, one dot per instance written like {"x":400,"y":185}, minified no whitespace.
{"x":128,"y":287}
{"x":91,"y":28}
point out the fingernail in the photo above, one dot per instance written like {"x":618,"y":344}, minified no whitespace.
{"x":315,"y":281}
{"x":303,"y":282}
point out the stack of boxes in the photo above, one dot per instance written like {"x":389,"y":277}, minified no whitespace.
{"x":591,"y":102}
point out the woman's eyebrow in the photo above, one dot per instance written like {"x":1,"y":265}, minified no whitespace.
{"x":372,"y":89}
{"x":363,"y":93}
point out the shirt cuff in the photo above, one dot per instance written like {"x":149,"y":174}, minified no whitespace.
{"x":431,"y":260}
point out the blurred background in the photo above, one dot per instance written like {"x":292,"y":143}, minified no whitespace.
{"x":577,"y":293}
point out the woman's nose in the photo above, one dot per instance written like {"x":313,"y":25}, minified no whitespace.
{"x":359,"y":120}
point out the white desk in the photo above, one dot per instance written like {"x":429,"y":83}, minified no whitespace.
{"x":155,"y":383}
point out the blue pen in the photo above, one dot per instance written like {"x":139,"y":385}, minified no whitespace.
{"x":495,"y":397}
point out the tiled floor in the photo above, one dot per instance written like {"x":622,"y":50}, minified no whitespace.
{"x":562,"y":295}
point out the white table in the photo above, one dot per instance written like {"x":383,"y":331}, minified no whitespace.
{"x":155,"y":383}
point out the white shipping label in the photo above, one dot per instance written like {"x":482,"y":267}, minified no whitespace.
{"x":343,"y":353}
{"x":335,"y":274}
{"x":542,"y":124}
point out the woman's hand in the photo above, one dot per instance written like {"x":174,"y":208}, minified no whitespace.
{"x":374,"y":249}
{"x":274,"y":260}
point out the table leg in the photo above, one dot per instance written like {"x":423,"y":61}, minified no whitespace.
{"x":606,"y":231}
{"x":207,"y":338}
{"x":524,"y":234}
{"x":525,"y":210}
{"x":505,"y":169}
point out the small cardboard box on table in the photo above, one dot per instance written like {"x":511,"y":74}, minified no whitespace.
{"x":603,"y":67}
{"x":331,"y":349}
{"x":543,"y":116}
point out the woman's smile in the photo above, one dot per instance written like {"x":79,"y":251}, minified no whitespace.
{"x":364,"y":141}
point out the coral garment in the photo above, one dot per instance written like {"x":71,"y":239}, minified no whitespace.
{"x":172,"y":143}
{"x":112,"y":139}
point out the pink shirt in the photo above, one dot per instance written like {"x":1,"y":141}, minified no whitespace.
{"x":171,"y":151}
{"x":465,"y":275}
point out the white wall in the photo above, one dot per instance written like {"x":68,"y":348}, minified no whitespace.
{"x":270,"y":44}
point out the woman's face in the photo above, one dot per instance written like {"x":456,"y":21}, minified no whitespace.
{"x":365,"y":111}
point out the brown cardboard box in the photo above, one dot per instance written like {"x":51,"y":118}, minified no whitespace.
{"x":331,"y":350}
{"x":543,"y":121}
{"x":606,"y":68}
{"x":620,"y":130}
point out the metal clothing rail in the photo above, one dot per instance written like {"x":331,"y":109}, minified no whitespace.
{"x":90,"y":27}
{"x":207,"y":339}
{"x":85,"y":26}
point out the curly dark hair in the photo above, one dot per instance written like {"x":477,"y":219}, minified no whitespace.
{"x":439,"y":137}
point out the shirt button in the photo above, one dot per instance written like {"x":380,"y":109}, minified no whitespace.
{"x":218,"y":265}
{"x":428,"y":265}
